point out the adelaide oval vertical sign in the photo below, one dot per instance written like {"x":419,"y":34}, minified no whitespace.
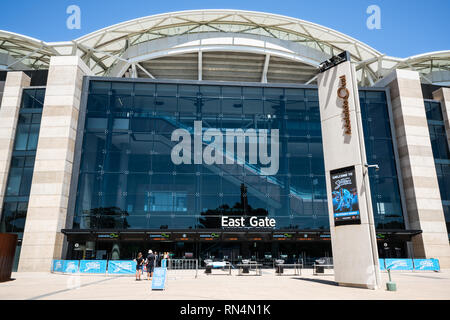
{"x":345,"y":196}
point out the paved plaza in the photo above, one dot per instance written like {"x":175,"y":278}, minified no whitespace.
{"x":219,"y":285}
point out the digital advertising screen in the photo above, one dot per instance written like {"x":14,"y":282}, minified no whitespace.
{"x":345,"y":196}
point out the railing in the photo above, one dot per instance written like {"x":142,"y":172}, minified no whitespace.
{"x":182,"y":266}
{"x":174,"y":265}
{"x":281,"y":267}
{"x":288,"y":261}
{"x":246,"y":268}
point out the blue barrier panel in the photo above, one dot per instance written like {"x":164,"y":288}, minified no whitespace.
{"x":382,"y":265}
{"x":399,"y":264}
{"x":57,"y":265}
{"x":71,"y":266}
{"x":159,"y":278}
{"x":121,"y":267}
{"x":427,"y":264}
{"x":164,"y":263}
{"x":218,"y":264}
{"x":93,"y":266}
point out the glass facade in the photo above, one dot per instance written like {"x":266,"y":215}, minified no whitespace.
{"x":17,"y":193}
{"x":22,"y":162}
{"x":441,"y":153}
{"x":128,"y":180}
{"x":384,"y":185}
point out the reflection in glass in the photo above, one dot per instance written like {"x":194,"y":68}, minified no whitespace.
{"x":15,"y":202}
{"x":127,"y":172}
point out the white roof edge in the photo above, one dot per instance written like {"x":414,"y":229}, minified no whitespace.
{"x":59,"y":43}
{"x":285,"y":24}
{"x":186,"y":12}
{"x":18,"y":35}
{"x":427,"y":54}
{"x":419,"y":56}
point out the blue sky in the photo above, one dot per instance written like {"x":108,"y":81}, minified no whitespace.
{"x":407,"y":27}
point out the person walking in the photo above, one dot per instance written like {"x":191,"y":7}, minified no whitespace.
{"x":156,"y":259}
{"x":165,"y":259}
{"x":150,"y":261}
{"x":139,"y":266}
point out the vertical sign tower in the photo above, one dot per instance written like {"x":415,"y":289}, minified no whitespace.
{"x":353,"y":238}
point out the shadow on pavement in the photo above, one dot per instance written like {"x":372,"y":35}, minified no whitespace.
{"x":321,"y":281}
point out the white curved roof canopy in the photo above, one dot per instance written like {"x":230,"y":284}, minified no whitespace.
{"x":219,"y":45}
{"x":18,"y":50}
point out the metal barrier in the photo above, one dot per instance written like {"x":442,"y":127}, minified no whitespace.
{"x":224,"y":265}
{"x":280,"y":268}
{"x":182,"y":264}
{"x":246,"y":268}
{"x":178,"y":266}
{"x":119,"y":267}
{"x":183,"y":267}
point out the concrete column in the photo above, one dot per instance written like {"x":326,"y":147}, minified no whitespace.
{"x":423,"y":200}
{"x":9,"y":113}
{"x":355,"y":256}
{"x":443,"y":95}
{"x":49,"y":195}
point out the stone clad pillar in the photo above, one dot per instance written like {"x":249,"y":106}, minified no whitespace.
{"x":9,"y":114}
{"x":49,"y":195}
{"x":423,"y":200}
{"x":353,"y":238}
{"x":443,"y":96}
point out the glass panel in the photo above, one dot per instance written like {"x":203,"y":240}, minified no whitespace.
{"x":231,"y":92}
{"x":98,"y":103}
{"x":166,"y":90}
{"x":36,"y":118}
{"x":210,"y":91}
{"x":188,"y":90}
{"x":25,"y":184}
{"x":122,"y":88}
{"x":25,"y":118}
{"x":27,"y":98}
{"x":15,"y":177}
{"x":97,"y":124}
{"x":100,"y":87}
{"x":252,"y":93}
{"x":21,"y":137}
{"x":20,"y":216}
{"x":128,"y":177}
{"x":33,"y":137}
{"x":29,"y":161}
{"x":144,"y":89}
{"x":144,"y":103}
{"x":39,"y":99}
{"x":122,"y":103}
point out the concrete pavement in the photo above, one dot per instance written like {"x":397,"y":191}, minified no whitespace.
{"x":184,"y":285}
